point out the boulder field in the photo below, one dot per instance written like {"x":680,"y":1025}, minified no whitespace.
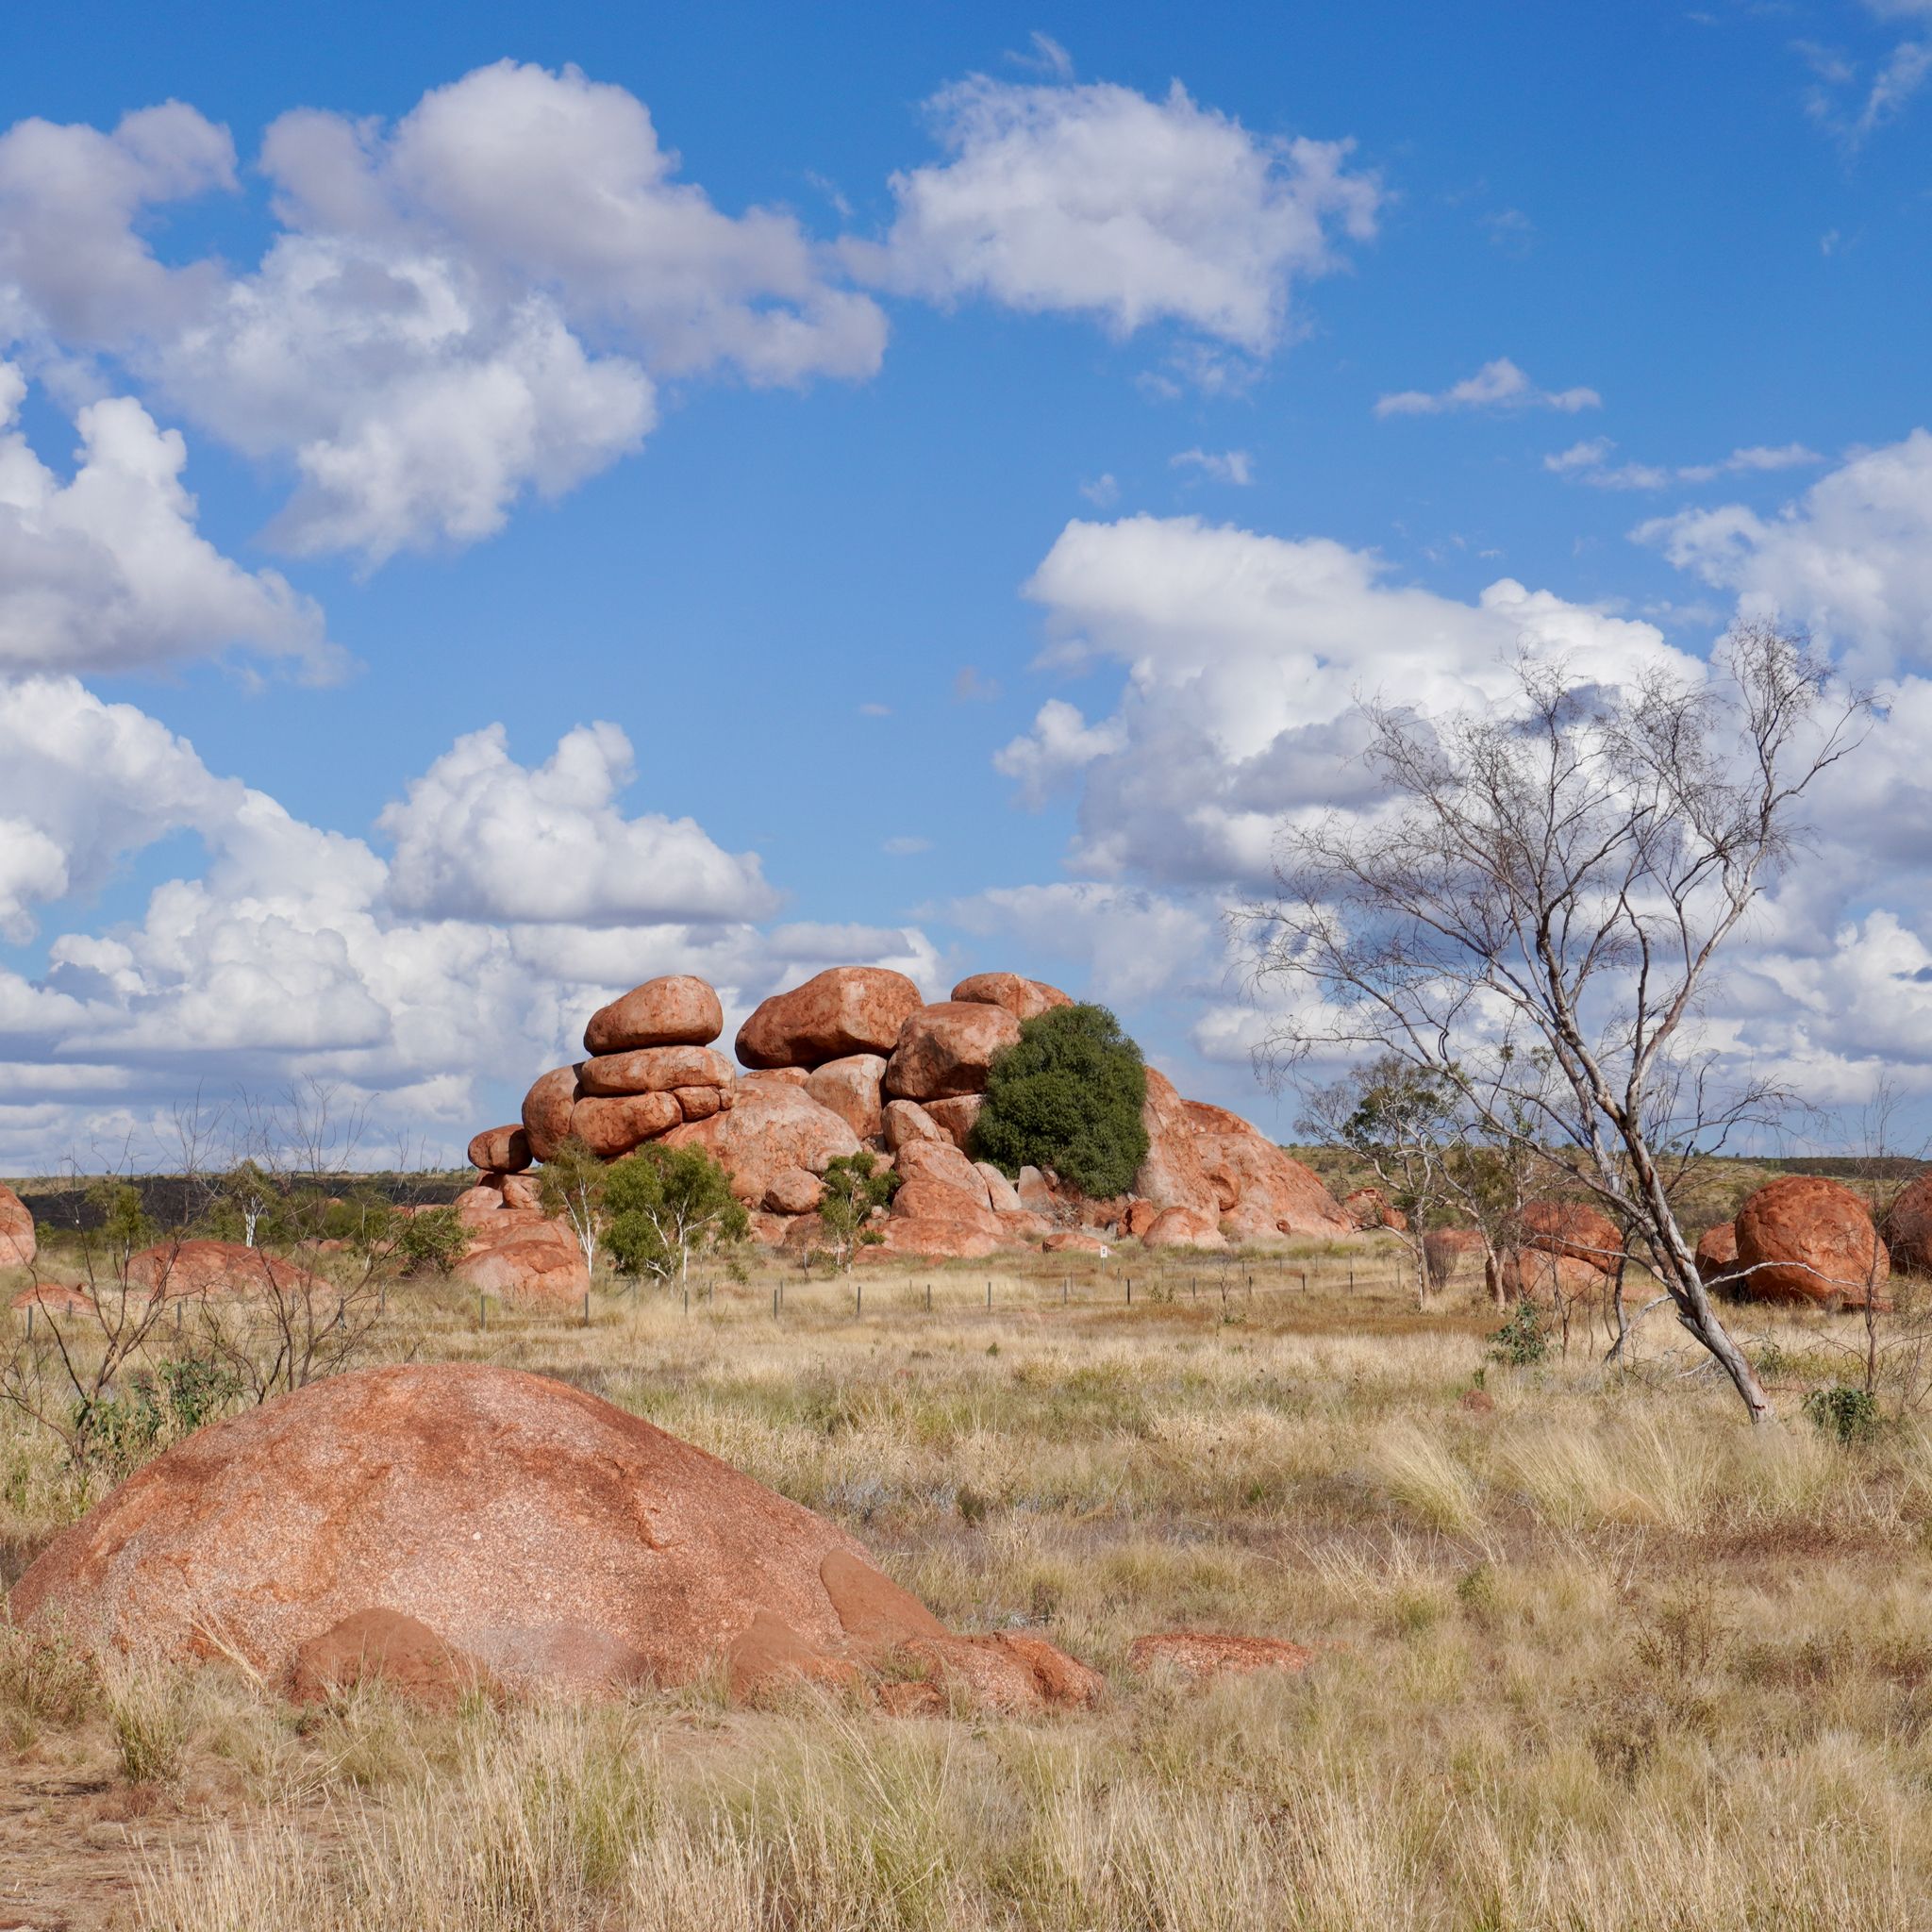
{"x":351,"y":1529}
{"x":856,"y":1059}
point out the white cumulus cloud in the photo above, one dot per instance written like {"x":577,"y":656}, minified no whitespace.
{"x":1498,"y":385}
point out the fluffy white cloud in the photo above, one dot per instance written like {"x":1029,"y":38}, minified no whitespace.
{"x":1498,"y":385}
{"x":477,"y":302}
{"x":108,"y":571}
{"x":1852,"y":558}
{"x":481,"y":836}
{"x":1130,"y":944}
{"x":1096,"y":200}
{"x":1244,"y":654}
{"x":1234,"y":466}
{"x":1588,"y":463}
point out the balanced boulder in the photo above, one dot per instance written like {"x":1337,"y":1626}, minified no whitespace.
{"x":655,"y":1070}
{"x":612,"y":1128}
{"x":1805,"y":1239}
{"x":501,"y":1150}
{"x":850,"y":1087}
{"x":585,"y":1551}
{"x":1908,"y":1228}
{"x":17,"y":1243}
{"x":846,"y":1009}
{"x":1025,"y":999}
{"x":676,"y":1011}
{"x":948,"y":1049}
{"x":547,"y":1110}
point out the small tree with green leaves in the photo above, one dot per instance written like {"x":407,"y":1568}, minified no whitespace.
{"x":1067,"y":1098}
{"x":667,"y":1203}
{"x":856,"y":1187}
{"x":432,"y":1240}
{"x":573,"y":1188}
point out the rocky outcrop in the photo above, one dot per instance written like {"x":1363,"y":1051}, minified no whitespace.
{"x":1183,"y":1227}
{"x":1369,"y":1209}
{"x":1025,"y":999}
{"x":955,"y":1117}
{"x":774,"y":1129}
{"x":175,"y":1270}
{"x":1804,"y":1239}
{"x":586,"y":1553}
{"x":1537,"y":1275}
{"x":846,"y":1009}
{"x":1172,"y":1174}
{"x":655,"y":1070}
{"x":1574,"y":1228}
{"x":948,"y":1050}
{"x":1908,"y":1229}
{"x":612,"y":1128}
{"x":17,"y":1243}
{"x":678,"y":1010}
{"x":547,"y":1110}
{"x":1260,"y":1193}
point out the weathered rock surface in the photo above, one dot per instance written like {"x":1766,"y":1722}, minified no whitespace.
{"x":1370,"y":1208}
{"x":1804,"y":1239}
{"x":676,"y":1011}
{"x":793,"y":1191}
{"x":938,"y":1160}
{"x":17,"y":1242}
{"x":773,"y":1127}
{"x":932,"y":1238}
{"x":1001,"y":1195}
{"x":701,"y":1102}
{"x":355,"y":1521}
{"x":1908,"y":1229}
{"x":948,"y":1049}
{"x":197,"y":1268}
{"x":924,"y":1199}
{"x":1035,"y":1191}
{"x":1183,"y":1227}
{"x":1025,"y":999}
{"x":613,"y":1128}
{"x":1537,"y":1275}
{"x":955,"y":1116}
{"x":846,"y":1009}
{"x":1271,"y":1193}
{"x":1574,"y":1228}
{"x":849,"y":1088}
{"x":1075,"y":1241}
{"x":1172,"y":1174}
{"x":502,"y":1150}
{"x":517,"y":1253}
{"x":1716,"y":1256}
{"x":59,"y":1297}
{"x":655,"y":1070}
{"x":906,"y":1119}
{"x":548,"y":1109}
{"x":385,"y":1646}
{"x":1207,"y":1653}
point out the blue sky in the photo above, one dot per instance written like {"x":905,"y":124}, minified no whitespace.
{"x":962,"y":460}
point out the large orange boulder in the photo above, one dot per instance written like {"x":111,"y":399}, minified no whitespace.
{"x":1172,"y":1174}
{"x":612,"y":1128}
{"x":948,"y":1049}
{"x":955,"y":1116}
{"x":585,"y":1551}
{"x":1716,"y":1256}
{"x":1539,"y":1275}
{"x":679,"y":1009}
{"x":655,"y":1070}
{"x":517,"y":1254}
{"x":922,"y":1198}
{"x":199,"y":1268}
{"x":1025,"y":999}
{"x":1805,"y":1239}
{"x":1183,"y":1227}
{"x":938,"y":1160}
{"x":773,"y":1128}
{"x":932,"y":1238}
{"x":547,"y":1110}
{"x":1908,"y":1229}
{"x":1262,"y":1194}
{"x":850,"y":1087}
{"x":1574,"y":1228}
{"x":846,"y":1009}
{"x":906,"y":1119}
{"x":17,"y":1243}
{"x":501,"y":1150}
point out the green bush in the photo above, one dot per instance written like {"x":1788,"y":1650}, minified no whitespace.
{"x":1845,"y":1410}
{"x":1524,"y":1340}
{"x":854,"y":1187}
{"x":433,"y":1238}
{"x":1067,"y":1099}
{"x":666,"y":1204}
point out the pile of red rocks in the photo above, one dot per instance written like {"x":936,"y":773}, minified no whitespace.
{"x":855,"y":1058}
{"x":353,"y":1529}
{"x":17,"y":1245}
{"x":1805,"y":1240}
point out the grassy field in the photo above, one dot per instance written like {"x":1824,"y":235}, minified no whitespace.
{"x":1591,"y":1652}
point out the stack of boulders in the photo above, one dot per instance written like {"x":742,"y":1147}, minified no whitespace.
{"x":1807,"y":1241}
{"x":856,"y":1059}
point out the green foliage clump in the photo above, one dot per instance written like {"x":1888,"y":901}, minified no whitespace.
{"x":1524,"y":1340}
{"x":855,"y":1185}
{"x":1067,"y":1098}
{"x":667,"y":1203}
{"x":1844,"y":1411}
{"x":432,"y":1241}
{"x":118,"y":1431}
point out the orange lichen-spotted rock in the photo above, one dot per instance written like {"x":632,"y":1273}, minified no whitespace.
{"x":1574,"y":1228}
{"x":955,"y":1116}
{"x":1183,"y":1227}
{"x":17,"y":1243}
{"x":516,"y":1252}
{"x":1274,"y":1195}
{"x":1716,"y":1256}
{"x":1370,"y":1208}
{"x":385,"y":1646}
{"x":197,"y":1268}
{"x":1908,"y":1228}
{"x":59,"y":1297}
{"x":1536,"y":1275}
{"x":611,"y":1128}
{"x":501,"y":1150}
{"x":850,"y":1087}
{"x":1172,"y":1174}
{"x":679,"y":1009}
{"x":1208,"y":1654}
{"x":585,"y":1551}
{"x":1075,"y":1241}
{"x":846,"y":1009}
{"x":1025,"y":999}
{"x":948,"y":1049}
{"x":655,"y":1070}
{"x":547,"y":1110}
{"x":771,"y":1127}
{"x":1804,"y":1239}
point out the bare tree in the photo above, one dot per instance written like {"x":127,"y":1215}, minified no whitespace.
{"x":1557,"y":878}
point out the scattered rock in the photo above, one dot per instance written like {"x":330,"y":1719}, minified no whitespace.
{"x":1001,"y":1195}
{"x":62,"y":1297}
{"x":1716,"y":1256}
{"x":655,"y":1070}
{"x":1025,"y":999}
{"x":1370,"y":1208}
{"x":1804,"y":1239}
{"x":17,"y":1243}
{"x":1574,"y":1228}
{"x":678,"y":1010}
{"x":612,"y":1128}
{"x":1075,"y":1241}
{"x":505,"y":1150}
{"x":547,"y":1110}
{"x":354,"y":1523}
{"x":948,"y":1049}
{"x":1908,"y":1229}
{"x":180,"y":1268}
{"x":773,"y":1126}
{"x":701,"y":1102}
{"x":1183,"y":1227}
{"x":846,"y":1009}
{"x":521,"y":1254}
{"x":849,"y":1088}
{"x":1208,"y":1654}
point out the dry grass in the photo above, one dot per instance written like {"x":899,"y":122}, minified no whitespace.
{"x":1595,"y":1657}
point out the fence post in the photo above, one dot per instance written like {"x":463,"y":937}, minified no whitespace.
{"x":928,"y":1297}
{"x":482,"y":1311}
{"x":587,"y":1307}
{"x":988,"y":1297}
{"x":1351,"y":1277}
{"x":1066,"y":1290}
{"x":774,"y":1305}
{"x":687,"y":1297}
{"x":1130,"y":1291}
{"x":30,"y":1320}
{"x":858,"y":1297}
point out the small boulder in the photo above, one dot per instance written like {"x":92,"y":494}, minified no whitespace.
{"x":1035,"y":1191}
{"x":1139,"y":1217}
{"x":388,"y":1647}
{"x":612,"y":1128}
{"x":1805,"y":1239}
{"x":850,"y":1087}
{"x":17,"y":1243}
{"x":906,"y":1119}
{"x":1574,"y":1228}
{"x":1025,"y":999}
{"x":1183,"y":1227}
{"x":930,"y":1237}
{"x":517,"y":1254}
{"x":846,"y":1009}
{"x":1207,"y":1653}
{"x":501,"y":1150}
{"x":58,"y":1297}
{"x":679,"y":1009}
{"x":655,"y":1070}
{"x":1908,"y":1229}
{"x":771,"y":1126}
{"x":936,"y":1160}
{"x":956,"y":1117}
{"x":1001,"y":1195}
{"x":174,"y":1270}
{"x":1716,"y":1256}
{"x":924,"y":1199}
{"x":793,"y":1191}
{"x":1075,"y":1241}
{"x":948,"y":1049}
{"x":701,"y":1102}
{"x":547,"y":1110}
